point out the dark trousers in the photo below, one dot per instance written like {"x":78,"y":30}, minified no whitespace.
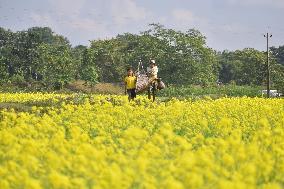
{"x":131,"y":93}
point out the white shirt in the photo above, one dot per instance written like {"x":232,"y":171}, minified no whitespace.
{"x":153,"y":72}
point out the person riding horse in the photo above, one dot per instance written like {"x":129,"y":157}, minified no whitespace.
{"x":152,"y":72}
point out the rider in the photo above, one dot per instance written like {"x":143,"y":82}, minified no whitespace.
{"x":152,"y":72}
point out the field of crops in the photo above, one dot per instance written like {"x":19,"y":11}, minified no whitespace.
{"x":77,"y":141}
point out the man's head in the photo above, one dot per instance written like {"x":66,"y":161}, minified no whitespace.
{"x":152,"y":63}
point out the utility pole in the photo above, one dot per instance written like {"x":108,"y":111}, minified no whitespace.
{"x":267,"y":63}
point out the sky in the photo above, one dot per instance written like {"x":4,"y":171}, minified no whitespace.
{"x":227,"y":24}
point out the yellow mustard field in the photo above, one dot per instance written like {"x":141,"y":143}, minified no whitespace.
{"x":101,"y":141}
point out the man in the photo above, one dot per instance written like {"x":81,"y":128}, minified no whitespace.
{"x":152,"y":72}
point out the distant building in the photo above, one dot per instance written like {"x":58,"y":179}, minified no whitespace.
{"x":272,"y":93}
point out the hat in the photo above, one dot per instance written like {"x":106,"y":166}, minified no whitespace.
{"x":152,"y":61}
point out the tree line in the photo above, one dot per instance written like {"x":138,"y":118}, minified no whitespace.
{"x":39,"y":55}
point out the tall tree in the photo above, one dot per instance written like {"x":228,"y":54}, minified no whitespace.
{"x":183,"y":57}
{"x":245,"y":67}
{"x":88,"y":70}
{"x":278,"y":67}
{"x":278,"y":54}
{"x":56,"y":64}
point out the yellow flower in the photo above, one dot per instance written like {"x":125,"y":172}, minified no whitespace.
{"x":103,"y":141}
{"x":58,"y":180}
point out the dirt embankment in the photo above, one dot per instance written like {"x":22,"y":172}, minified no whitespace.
{"x":101,"y":88}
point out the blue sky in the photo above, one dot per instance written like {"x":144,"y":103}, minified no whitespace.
{"x":227,"y":24}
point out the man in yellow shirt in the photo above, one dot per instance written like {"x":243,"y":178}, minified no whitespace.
{"x":130,"y":84}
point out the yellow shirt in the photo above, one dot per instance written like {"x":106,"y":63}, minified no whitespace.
{"x":130,"y":82}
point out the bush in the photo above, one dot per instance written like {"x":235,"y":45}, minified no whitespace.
{"x":218,"y":91}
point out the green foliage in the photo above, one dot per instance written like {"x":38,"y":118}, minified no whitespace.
{"x":183,"y":58}
{"x":278,"y":54}
{"x":277,"y":72}
{"x":36,"y":55}
{"x":88,"y":68}
{"x":4,"y":76}
{"x":277,"y":68}
{"x":214,"y":91}
{"x":78,"y":58}
{"x":248,"y":67}
{"x":110,"y":59}
{"x":245,"y":67}
{"x":55,"y":65}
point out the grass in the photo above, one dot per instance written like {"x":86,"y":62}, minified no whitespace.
{"x":212,"y":91}
{"x":19,"y":107}
{"x":118,"y":89}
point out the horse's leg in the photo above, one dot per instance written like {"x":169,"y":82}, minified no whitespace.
{"x":153,"y":93}
{"x":149,"y":93}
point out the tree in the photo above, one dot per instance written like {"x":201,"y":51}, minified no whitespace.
{"x":277,"y":67}
{"x":78,"y":57}
{"x":5,"y":54}
{"x":88,"y":68}
{"x":278,"y":54}
{"x":245,"y":67}
{"x":183,"y":57}
{"x":56,"y":65}
{"x":109,"y":58}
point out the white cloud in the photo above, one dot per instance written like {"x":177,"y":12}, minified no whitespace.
{"x":124,"y":11}
{"x":71,"y":20}
{"x":102,"y":18}
{"x":43,"y":20}
{"x":269,"y":3}
{"x":67,"y":7}
{"x":182,"y":15}
{"x":67,"y":14}
{"x":87,"y":24}
{"x":186,"y":19}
